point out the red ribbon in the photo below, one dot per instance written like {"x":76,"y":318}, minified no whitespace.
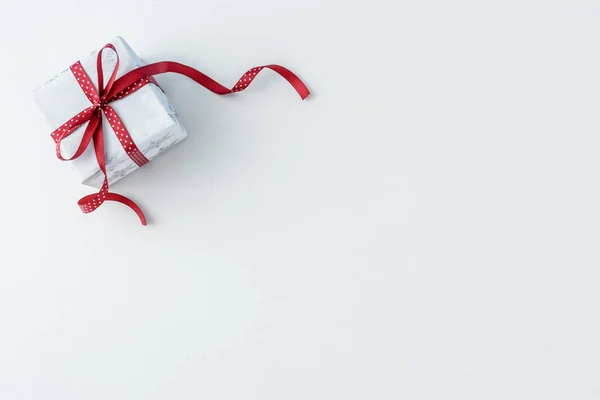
{"x":116,"y":89}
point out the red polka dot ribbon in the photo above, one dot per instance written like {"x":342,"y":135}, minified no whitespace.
{"x":116,"y":89}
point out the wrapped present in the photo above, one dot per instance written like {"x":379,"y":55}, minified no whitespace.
{"x":150,"y":119}
{"x":109,"y":116}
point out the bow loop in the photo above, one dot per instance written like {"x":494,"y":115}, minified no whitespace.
{"x":103,"y":90}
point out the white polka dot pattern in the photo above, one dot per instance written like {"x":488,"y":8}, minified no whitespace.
{"x":134,"y":87}
{"x":69,"y":127}
{"x":113,"y":119}
{"x":85,"y":82}
{"x":246,"y":79}
{"x":89,"y":203}
{"x":123,"y":135}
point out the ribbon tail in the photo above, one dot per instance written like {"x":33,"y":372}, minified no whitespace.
{"x":85,"y":140}
{"x":128,"y":203}
{"x":91,"y":202}
{"x":131,"y":78}
{"x":292,"y":79}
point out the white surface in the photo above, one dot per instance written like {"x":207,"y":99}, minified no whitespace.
{"x":426,"y":226}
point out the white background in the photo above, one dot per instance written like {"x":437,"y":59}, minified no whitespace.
{"x":425,"y":226}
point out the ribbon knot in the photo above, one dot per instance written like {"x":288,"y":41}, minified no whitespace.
{"x":116,"y":89}
{"x":101,"y":104}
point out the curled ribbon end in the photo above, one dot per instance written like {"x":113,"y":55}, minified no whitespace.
{"x":139,"y":213}
{"x":128,"y":203}
{"x":301,"y":89}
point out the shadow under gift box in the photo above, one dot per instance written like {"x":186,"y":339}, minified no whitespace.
{"x":147,"y":114}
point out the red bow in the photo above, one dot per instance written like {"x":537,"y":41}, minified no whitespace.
{"x":116,"y":89}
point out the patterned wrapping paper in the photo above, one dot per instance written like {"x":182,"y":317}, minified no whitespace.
{"x":147,"y":113}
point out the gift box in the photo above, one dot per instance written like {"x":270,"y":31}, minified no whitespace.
{"x":109,"y":116}
{"x":147,"y":113}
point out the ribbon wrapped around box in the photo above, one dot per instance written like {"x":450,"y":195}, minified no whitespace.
{"x":110,"y":117}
